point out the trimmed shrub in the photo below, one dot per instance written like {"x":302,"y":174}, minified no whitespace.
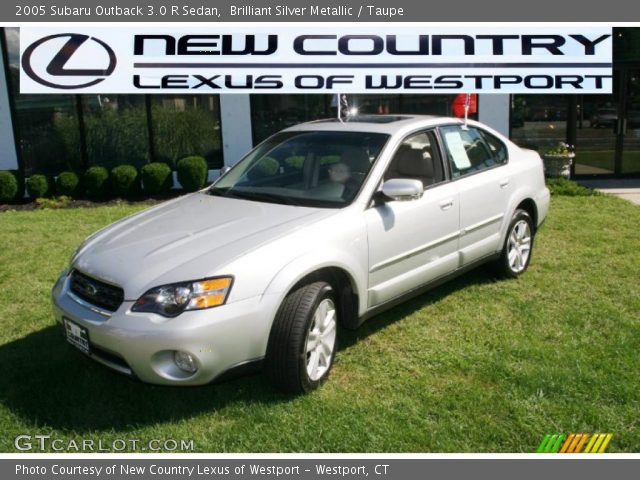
{"x":156,"y":178}
{"x":96,"y":182}
{"x":8,"y":187}
{"x":295,"y":162}
{"x":68,"y":184}
{"x":37,"y":186}
{"x":125,"y":180}
{"x":563,"y":186}
{"x":266,"y":167}
{"x":192,"y":173}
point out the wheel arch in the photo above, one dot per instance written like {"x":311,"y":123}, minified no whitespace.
{"x":346,"y":277}
{"x":529,"y":206}
{"x":346,"y":292}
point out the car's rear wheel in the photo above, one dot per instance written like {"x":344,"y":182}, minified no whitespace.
{"x":518,"y":246}
{"x":303,"y":339}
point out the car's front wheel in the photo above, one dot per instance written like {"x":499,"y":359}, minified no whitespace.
{"x":303,"y":338}
{"x":518,"y":246}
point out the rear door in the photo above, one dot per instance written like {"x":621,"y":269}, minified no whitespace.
{"x":478,"y":163}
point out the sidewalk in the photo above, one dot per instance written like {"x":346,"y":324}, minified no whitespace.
{"x":627,"y":188}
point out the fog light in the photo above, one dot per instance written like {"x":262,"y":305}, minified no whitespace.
{"x":185,"y":361}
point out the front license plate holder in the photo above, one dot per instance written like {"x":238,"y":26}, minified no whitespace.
{"x":77,"y":335}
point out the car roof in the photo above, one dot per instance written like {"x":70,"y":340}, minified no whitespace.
{"x":389,"y":124}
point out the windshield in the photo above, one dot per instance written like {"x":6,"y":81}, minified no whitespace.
{"x":318,"y":169}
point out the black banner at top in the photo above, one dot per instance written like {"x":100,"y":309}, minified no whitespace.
{"x":318,"y":11}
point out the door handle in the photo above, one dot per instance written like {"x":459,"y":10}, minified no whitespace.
{"x":446,"y":204}
{"x":504,"y":183}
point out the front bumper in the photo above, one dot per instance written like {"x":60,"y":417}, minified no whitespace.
{"x":142,"y":344}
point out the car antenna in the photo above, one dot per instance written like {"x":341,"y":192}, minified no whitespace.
{"x":467,"y":104}
{"x":342,"y":103}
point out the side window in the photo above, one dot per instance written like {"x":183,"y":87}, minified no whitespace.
{"x":467,"y":151}
{"x":498,"y":149}
{"x":417,"y":157}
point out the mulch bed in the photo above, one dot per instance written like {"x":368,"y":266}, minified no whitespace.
{"x":83,"y":203}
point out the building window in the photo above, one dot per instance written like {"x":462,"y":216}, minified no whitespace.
{"x":272,"y":113}
{"x":183,"y":125}
{"x":46,"y":126}
{"x":116,"y":129}
{"x":69,"y":132}
{"x":539,"y":121}
{"x":440,"y":105}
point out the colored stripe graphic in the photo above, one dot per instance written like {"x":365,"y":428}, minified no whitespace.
{"x":581,"y":443}
{"x":573,"y":443}
{"x":566,"y":444}
{"x":598,"y":443}
{"x":606,"y":442}
{"x":551,"y":443}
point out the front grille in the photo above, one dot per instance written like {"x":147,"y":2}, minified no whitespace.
{"x":96,"y":292}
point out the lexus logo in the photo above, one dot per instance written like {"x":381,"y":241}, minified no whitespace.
{"x":57,"y":67}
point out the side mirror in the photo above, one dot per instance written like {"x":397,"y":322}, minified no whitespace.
{"x":402,"y":189}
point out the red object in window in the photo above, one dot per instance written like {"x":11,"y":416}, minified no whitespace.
{"x":458,"y":104}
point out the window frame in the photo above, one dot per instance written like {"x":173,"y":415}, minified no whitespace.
{"x":445,"y":171}
{"x":481,"y":132}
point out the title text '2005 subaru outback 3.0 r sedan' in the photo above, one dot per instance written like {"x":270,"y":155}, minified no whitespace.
{"x":323,"y":224}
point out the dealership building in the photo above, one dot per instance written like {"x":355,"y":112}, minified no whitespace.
{"x":53,"y":133}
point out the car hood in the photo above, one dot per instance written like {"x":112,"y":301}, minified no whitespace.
{"x":186,"y":239}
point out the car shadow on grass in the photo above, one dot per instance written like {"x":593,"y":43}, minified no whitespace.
{"x":47,"y":383}
{"x":478,"y":276}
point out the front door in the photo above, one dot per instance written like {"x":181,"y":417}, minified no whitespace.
{"x":413,"y":242}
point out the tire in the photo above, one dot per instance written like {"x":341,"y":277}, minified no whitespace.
{"x":518,"y":246}
{"x":303,"y":339}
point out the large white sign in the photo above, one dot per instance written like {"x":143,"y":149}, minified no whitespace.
{"x":316,"y":58}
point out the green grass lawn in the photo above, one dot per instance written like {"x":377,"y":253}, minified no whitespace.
{"x":475,"y":365}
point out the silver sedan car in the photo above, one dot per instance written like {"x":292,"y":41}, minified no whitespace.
{"x":321,"y":226}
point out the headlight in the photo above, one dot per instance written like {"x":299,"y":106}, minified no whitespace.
{"x":172,"y":300}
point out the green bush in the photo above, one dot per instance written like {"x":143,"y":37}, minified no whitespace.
{"x":562,"y":186}
{"x":8,"y":187}
{"x":192,"y":173}
{"x":295,"y":162}
{"x":266,"y":167}
{"x":125,"y":180}
{"x":68,"y":184}
{"x":156,"y":178}
{"x":96,"y":182}
{"x":38,"y":186}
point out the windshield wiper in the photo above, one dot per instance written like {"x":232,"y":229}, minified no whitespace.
{"x":218,"y":192}
{"x":251,"y":195}
{"x":263,"y":196}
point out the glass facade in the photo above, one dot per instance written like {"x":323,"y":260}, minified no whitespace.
{"x":272,"y":113}
{"x":116,"y":129}
{"x":604,"y":128}
{"x":538,"y":121}
{"x":184,"y":125}
{"x":49,"y":139}
{"x":70,"y":132}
